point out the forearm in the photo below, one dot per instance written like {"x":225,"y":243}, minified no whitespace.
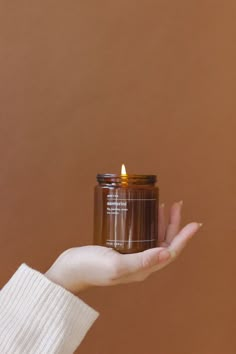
{"x":38,"y":316}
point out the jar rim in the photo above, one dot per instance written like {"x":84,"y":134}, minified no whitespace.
{"x":118,"y":178}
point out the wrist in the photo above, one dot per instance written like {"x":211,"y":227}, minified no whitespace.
{"x":65,"y":274}
{"x":56,"y":276}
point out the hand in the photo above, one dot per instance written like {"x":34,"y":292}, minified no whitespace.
{"x":82,"y":267}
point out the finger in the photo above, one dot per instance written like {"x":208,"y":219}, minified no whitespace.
{"x":174,"y":223}
{"x":154,"y":258}
{"x":161,"y":223}
{"x":178,"y":244}
{"x":181,"y":240}
{"x":141,"y":261}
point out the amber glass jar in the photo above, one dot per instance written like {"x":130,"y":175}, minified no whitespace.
{"x":126,"y":212}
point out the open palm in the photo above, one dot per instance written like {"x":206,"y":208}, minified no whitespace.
{"x":82,"y":267}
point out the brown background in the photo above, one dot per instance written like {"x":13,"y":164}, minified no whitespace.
{"x":85,"y":86}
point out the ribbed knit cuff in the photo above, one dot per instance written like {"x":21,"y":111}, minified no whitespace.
{"x":40,"y":317}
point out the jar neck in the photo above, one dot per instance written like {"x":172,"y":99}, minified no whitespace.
{"x":124,"y":180}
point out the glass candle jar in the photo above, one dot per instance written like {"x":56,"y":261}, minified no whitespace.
{"x":126,"y":212}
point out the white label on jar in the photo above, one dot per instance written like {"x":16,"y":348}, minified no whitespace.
{"x":116,"y":206}
{"x":130,"y":241}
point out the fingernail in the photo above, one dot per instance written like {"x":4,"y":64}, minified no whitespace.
{"x":200,"y":224}
{"x":181,"y":202}
{"x":172,"y":253}
{"x":164,"y":256}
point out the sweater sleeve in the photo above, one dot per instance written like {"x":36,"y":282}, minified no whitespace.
{"x":40,"y":317}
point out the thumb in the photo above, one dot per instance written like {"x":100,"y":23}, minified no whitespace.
{"x":136,"y":262}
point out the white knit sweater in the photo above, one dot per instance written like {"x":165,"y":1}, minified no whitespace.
{"x":40,"y":317}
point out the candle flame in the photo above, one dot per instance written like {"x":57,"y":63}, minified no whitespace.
{"x":123,"y":170}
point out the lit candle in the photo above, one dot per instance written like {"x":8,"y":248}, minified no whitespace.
{"x":123,"y":170}
{"x":126,"y":211}
{"x":123,"y":175}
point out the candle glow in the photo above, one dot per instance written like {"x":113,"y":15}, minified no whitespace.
{"x":123,"y":170}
